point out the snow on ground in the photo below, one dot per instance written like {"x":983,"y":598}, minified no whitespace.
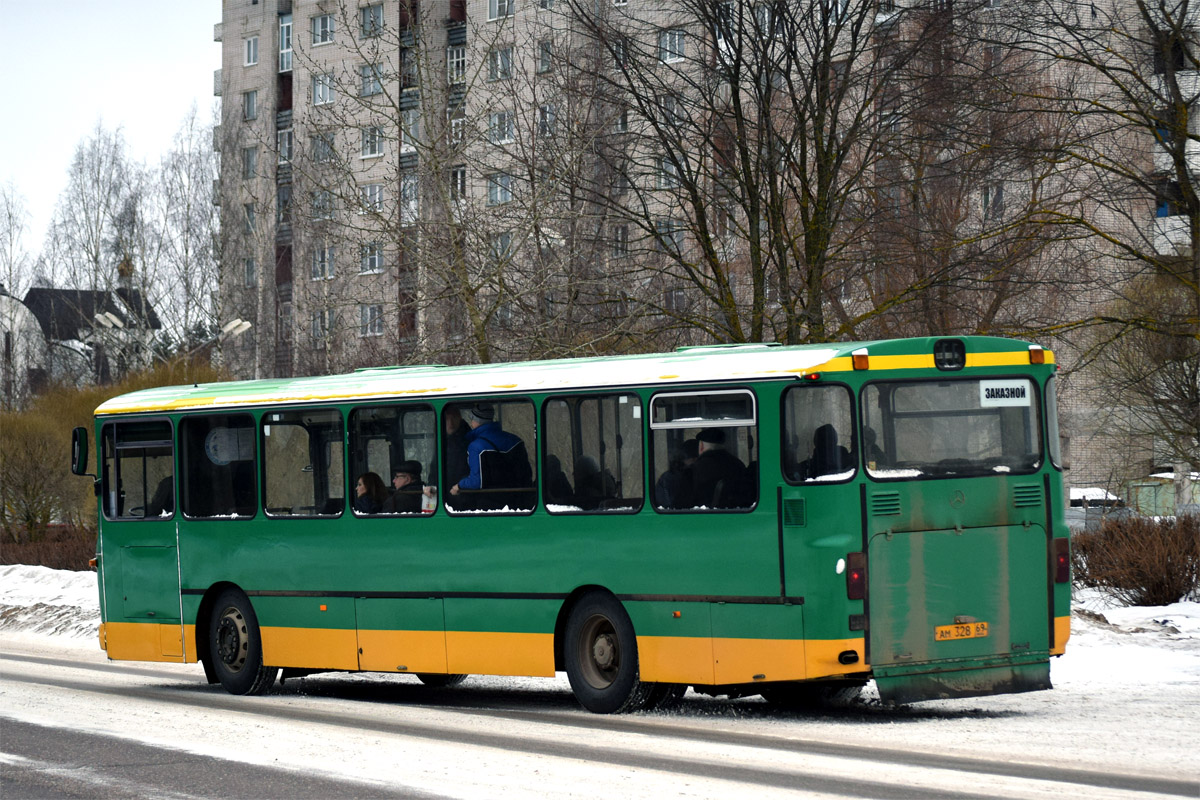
{"x":1126,"y":697}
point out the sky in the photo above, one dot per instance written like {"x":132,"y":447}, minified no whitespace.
{"x":137,"y":65}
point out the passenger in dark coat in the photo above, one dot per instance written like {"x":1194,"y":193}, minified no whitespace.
{"x":719,"y":478}
{"x":406,"y":479}
{"x":674,"y":487}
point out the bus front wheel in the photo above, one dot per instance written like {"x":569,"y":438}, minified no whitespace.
{"x":601,"y":656}
{"x":235,"y":646}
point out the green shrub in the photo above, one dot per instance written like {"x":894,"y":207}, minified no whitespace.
{"x":1140,"y":561}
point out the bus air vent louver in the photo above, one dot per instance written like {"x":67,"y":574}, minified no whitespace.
{"x":885,"y":504}
{"x":1026,"y":495}
{"x":793,"y":513}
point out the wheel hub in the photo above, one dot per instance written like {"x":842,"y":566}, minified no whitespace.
{"x":231,"y":645}
{"x":604,"y":651}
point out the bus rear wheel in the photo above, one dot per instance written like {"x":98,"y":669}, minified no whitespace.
{"x":235,"y":646}
{"x":601,"y":656}
{"x":437,"y":680}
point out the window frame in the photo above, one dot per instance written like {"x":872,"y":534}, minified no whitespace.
{"x":108,"y":492}
{"x":323,"y":29}
{"x":672,"y":45}
{"x":250,"y":51}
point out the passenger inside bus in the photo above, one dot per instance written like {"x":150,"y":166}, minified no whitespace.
{"x":406,"y":479}
{"x":592,"y":487}
{"x":674,"y":487}
{"x":828,"y":457}
{"x":719,"y":478}
{"x":496,"y":460}
{"x":162,"y":504}
{"x":369,"y":493}
{"x":558,"y":486}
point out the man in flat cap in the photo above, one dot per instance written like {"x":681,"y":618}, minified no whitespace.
{"x":406,"y":479}
{"x":719,"y":478}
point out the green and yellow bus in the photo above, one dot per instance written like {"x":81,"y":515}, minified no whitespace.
{"x":741,"y":519}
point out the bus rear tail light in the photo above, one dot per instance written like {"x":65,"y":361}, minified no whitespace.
{"x":1062,"y":560}
{"x":856,"y":576}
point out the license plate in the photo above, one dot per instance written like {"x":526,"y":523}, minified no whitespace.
{"x":967,"y":630}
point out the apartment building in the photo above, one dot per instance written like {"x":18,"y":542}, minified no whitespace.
{"x":425,"y":181}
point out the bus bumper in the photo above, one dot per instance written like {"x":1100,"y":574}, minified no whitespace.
{"x":933,"y":681}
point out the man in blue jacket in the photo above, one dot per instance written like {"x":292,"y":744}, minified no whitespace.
{"x":496,"y":459}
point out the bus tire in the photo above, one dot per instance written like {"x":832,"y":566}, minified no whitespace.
{"x":235,"y":645}
{"x":601,"y":656}
{"x":438,"y":680}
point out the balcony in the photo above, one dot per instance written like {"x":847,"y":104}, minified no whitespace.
{"x":1163,"y":164}
{"x":1170,"y":236}
{"x":219,"y":32}
{"x":216,"y":83}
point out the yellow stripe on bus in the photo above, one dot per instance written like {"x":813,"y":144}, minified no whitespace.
{"x":310,"y":648}
{"x":672,"y":659}
{"x":1062,"y":632}
{"x":402,"y":651}
{"x":486,"y":653}
{"x":142,"y":641}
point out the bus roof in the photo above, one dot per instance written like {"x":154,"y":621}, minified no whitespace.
{"x":729,"y":362}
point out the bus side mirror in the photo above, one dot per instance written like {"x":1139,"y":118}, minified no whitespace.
{"x":79,"y":451}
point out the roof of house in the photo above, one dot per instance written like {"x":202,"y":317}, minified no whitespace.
{"x":66,"y":314}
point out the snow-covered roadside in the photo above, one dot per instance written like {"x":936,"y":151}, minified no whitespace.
{"x":1126,"y":697}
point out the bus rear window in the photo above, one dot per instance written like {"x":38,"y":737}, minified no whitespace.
{"x":951,"y":428}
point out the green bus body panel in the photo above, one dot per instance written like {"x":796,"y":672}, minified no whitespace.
{"x":770,"y":574}
{"x":149,"y":583}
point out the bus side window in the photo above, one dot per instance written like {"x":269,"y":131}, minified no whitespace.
{"x":393,"y":454}
{"x":818,"y":434}
{"x":138,"y":470}
{"x":593,"y":454}
{"x":501,"y":473}
{"x":704,"y":450}
{"x":217,"y":461}
{"x":302,"y":463}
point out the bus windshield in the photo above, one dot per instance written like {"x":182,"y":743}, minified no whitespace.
{"x":955,"y":428}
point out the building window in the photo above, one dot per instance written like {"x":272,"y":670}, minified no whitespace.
{"x":370,"y":20}
{"x":675,"y":301}
{"x":409,"y":198}
{"x":671,"y":46}
{"x":250,"y":104}
{"x":371,"y":197}
{"x":498,"y":9}
{"x":284,"y":141}
{"x":371,"y":258}
{"x":621,"y":123}
{"x":408,"y":68}
{"x":322,"y":89}
{"x":249,"y":273}
{"x":547,"y":114}
{"x":285,"y":43}
{"x":322,"y":147}
{"x":251,"y":51}
{"x":322,"y":29}
{"x":410,"y":129}
{"x":322,"y":204}
{"x":620,"y":241}
{"x":620,"y":2}
{"x":456,"y":64}
{"x":372,"y":79}
{"x":249,"y":162}
{"x":546,"y":5}
{"x":500,"y":127}
{"x":993,"y":201}
{"x":500,"y":63}
{"x":370,"y":320}
{"x":458,"y":182}
{"x":322,"y":324}
{"x":669,"y":235}
{"x":668,"y":173}
{"x":458,"y":125}
{"x":250,"y":216}
{"x":670,"y":109}
{"x":620,"y":53}
{"x":545,"y":55}
{"x":499,"y":189}
{"x":372,"y":142}
{"x":283,"y":204}
{"x":501,"y":246}
{"x":322,"y":262}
